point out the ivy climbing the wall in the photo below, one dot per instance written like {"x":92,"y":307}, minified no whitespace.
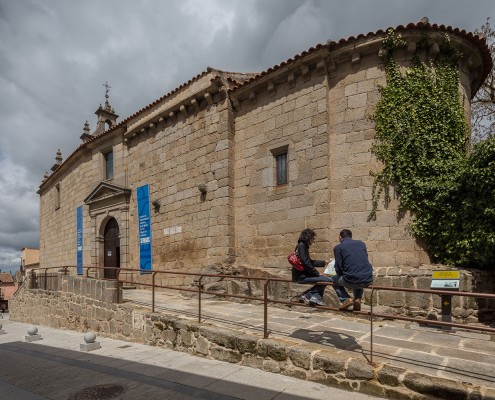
{"x":421,"y":138}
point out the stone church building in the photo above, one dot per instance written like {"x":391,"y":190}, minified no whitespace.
{"x":227,"y":169}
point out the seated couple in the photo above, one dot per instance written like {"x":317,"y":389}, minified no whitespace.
{"x":353,"y":269}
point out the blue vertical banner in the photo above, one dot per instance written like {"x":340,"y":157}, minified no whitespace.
{"x":79,"y":239}
{"x":143,"y":203}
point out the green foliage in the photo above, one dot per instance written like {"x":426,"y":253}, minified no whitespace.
{"x":483,"y":104}
{"x":468,"y":221}
{"x":421,"y":138}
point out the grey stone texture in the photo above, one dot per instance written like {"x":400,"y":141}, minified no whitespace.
{"x":90,"y":346}
{"x":207,"y":151}
{"x":289,"y":356}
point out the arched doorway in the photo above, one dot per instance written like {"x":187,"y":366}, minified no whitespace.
{"x":111,"y":249}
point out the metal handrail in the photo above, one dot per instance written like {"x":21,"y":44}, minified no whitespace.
{"x":266,"y":300}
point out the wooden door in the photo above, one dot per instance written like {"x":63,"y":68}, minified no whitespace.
{"x":111,"y":249}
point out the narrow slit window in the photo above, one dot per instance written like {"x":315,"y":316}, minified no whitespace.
{"x":109,"y":165}
{"x":57,"y":196}
{"x":281,"y":161}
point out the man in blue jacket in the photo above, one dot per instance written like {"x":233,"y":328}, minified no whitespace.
{"x":353,"y":270}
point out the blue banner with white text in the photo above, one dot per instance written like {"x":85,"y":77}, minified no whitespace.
{"x":144,"y":221}
{"x":79,"y":239}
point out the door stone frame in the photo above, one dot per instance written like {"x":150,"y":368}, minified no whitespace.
{"x":108,"y":201}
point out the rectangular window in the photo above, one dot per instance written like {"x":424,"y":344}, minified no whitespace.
{"x":57,"y":196}
{"x":109,"y":165}
{"x":281,"y":165}
{"x":281,"y":161}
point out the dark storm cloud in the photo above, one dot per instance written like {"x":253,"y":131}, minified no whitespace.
{"x":56,"y":54}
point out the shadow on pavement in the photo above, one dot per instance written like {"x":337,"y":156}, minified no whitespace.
{"x":338,"y":340}
{"x":72,"y":375}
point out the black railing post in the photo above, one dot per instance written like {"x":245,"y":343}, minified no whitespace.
{"x":45,"y":278}
{"x":371,"y":326}
{"x":265,"y":311}
{"x":117,"y":284}
{"x":200,"y":289}
{"x":153,"y":292}
{"x":33,"y":284}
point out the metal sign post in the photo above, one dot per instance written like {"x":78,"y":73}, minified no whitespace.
{"x":446,"y":280}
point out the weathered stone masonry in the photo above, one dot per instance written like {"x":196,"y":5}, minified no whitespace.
{"x":88,"y":304}
{"x":207,"y":149}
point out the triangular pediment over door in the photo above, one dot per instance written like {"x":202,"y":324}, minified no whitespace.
{"x":107,"y":195}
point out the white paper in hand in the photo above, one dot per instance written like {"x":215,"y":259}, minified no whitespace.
{"x":330,"y":268}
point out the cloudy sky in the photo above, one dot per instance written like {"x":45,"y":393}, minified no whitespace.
{"x":56,"y":54}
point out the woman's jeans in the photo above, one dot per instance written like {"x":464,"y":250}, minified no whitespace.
{"x":316,"y":289}
{"x":342,"y":294}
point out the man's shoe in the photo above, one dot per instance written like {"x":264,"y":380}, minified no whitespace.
{"x":316,"y":301}
{"x":304,"y":299}
{"x":346,"y":304}
{"x":356,"y":305}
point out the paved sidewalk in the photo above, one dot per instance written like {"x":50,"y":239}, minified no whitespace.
{"x":55,"y":368}
{"x":460,"y":355}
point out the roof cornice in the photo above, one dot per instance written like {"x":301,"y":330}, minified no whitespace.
{"x":350,"y":49}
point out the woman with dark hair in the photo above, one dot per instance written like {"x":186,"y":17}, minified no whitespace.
{"x":313,"y":295}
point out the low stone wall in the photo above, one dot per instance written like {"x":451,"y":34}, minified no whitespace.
{"x":464,"y":309}
{"x":81,"y":304}
{"x":87,"y":304}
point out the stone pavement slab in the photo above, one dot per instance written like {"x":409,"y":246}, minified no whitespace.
{"x":458,"y":354}
{"x":55,"y":368}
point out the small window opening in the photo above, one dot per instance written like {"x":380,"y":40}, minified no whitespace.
{"x":281,"y":160}
{"x":57,"y":196}
{"x":281,"y":165}
{"x":109,"y":165}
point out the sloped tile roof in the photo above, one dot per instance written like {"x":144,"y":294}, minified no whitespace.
{"x":5,"y":277}
{"x":331,"y":45}
{"x":233,"y":78}
{"x":237,"y":80}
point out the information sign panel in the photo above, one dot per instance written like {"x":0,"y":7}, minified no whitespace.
{"x":143,"y":203}
{"x":79,"y":240}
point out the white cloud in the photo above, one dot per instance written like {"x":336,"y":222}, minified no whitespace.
{"x":56,"y":54}
{"x":18,"y":213}
{"x":10,"y":260}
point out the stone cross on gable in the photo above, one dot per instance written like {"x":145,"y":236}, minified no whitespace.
{"x":107,"y":89}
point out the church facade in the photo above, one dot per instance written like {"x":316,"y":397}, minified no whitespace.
{"x":228,"y":168}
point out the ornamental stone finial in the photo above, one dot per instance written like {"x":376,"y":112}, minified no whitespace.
{"x":107,"y":103}
{"x":58,"y":157}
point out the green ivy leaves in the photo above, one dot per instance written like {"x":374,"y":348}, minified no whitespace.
{"x":421,"y":138}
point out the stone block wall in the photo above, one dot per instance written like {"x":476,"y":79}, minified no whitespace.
{"x":269,"y":218}
{"x":421,"y":305}
{"x":86,"y":306}
{"x":222,"y":132}
{"x":464,"y":309}
{"x":76,"y":182}
{"x":79,"y":303}
{"x":175,"y":158}
{"x":353,"y":94}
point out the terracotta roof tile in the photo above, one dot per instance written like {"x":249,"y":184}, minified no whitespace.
{"x":479,"y":42}
{"x":5,"y":277}
{"x":229,"y":76}
{"x":251,"y":77}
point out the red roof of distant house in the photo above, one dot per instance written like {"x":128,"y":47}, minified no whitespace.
{"x":5,"y":277}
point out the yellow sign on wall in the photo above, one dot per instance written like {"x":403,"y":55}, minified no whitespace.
{"x":446,"y":275}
